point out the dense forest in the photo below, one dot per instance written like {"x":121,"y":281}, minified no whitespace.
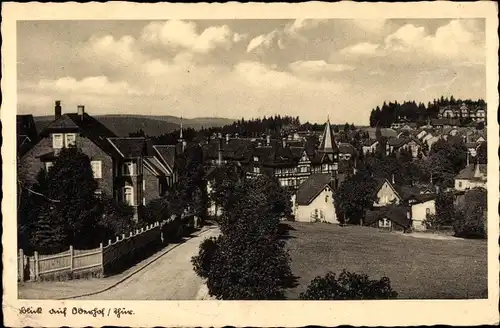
{"x":274,"y":125}
{"x":390,"y":112}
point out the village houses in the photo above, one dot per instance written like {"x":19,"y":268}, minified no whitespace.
{"x":131,"y":170}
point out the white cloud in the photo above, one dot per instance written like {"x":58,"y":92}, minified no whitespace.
{"x":117,"y":51}
{"x":363,"y":48}
{"x":280,"y":37}
{"x":258,"y":75}
{"x":318,"y":66}
{"x":458,"y":40}
{"x":181,"y":34}
{"x":89,"y":85}
{"x":265,"y":40}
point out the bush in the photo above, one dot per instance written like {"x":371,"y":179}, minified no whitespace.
{"x":253,"y":269}
{"x":348,"y":286}
{"x":202,"y":261}
{"x":470,"y":217}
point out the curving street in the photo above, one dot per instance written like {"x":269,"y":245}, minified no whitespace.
{"x":171,"y":277}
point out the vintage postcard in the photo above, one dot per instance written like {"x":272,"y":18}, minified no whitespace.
{"x":234,"y":164}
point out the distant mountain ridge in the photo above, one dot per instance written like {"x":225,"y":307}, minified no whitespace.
{"x":122,"y":125}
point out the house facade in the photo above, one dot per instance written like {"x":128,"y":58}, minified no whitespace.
{"x":313,"y":201}
{"x":421,"y":206}
{"x":386,"y":194}
{"x":130,"y":170}
{"x":473,"y":176}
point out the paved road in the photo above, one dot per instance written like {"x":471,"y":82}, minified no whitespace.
{"x":171,"y":277}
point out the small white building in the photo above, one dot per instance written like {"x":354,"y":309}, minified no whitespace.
{"x":473,"y":176}
{"x":313,"y":201}
{"x":370,"y":146}
{"x":421,"y":206}
{"x":385,"y":194}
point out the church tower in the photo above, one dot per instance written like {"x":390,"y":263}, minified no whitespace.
{"x":328,"y":146}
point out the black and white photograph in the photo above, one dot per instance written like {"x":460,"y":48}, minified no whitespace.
{"x":251,"y":159}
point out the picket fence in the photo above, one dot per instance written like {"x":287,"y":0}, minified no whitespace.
{"x":96,"y":262}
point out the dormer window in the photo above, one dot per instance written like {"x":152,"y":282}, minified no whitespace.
{"x":57,"y":140}
{"x":48,"y":166}
{"x":70,"y":139}
{"x":128,"y":168}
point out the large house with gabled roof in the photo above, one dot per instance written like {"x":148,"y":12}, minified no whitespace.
{"x":131,"y":170}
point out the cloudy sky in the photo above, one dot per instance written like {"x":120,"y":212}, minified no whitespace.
{"x":247,"y":68}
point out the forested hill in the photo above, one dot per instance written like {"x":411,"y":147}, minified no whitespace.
{"x":123,"y":125}
{"x":388,"y":113}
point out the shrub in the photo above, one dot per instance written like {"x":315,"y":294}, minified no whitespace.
{"x":202,"y":261}
{"x":348,"y":286}
{"x":470,"y":217}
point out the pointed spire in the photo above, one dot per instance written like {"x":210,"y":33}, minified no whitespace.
{"x":328,"y":144}
{"x":180,"y":134}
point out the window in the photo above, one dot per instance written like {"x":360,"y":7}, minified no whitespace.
{"x":326,"y":199}
{"x":385,"y":223}
{"x":57,"y":140}
{"x":427,"y":211}
{"x":143,"y":184}
{"x":96,"y":169}
{"x":48,"y":165}
{"x":128,"y":168}
{"x":128,"y":195}
{"x":70,"y":139}
{"x":459,"y":184}
{"x":98,"y":193}
{"x":256,"y":169}
{"x":255,"y":159}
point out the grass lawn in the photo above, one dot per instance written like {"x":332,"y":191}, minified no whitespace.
{"x":418,"y":268}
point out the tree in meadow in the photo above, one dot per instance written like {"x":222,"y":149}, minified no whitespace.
{"x":471,"y":216}
{"x":354,"y":197}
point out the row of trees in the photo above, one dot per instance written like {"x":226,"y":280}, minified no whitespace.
{"x":62,"y":208}
{"x":390,"y":112}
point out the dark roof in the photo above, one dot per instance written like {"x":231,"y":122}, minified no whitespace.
{"x":49,"y":156}
{"x":129,"y":147}
{"x":369,"y":142}
{"x":445,"y":121}
{"x":88,"y":127}
{"x":167,"y":154}
{"x":311,"y":187}
{"x":421,"y":198}
{"x":297,"y":152}
{"x":472,"y":144}
{"x":397,"y":142}
{"x":156,"y":165}
{"x":397,"y":214}
{"x":469,"y":172}
{"x":346,"y":148}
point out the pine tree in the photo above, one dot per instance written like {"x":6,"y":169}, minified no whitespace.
{"x":71,"y":181}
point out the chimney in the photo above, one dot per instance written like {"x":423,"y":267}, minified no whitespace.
{"x":392,"y":179}
{"x":81,"y":111}
{"x":227,"y":137}
{"x":268,"y":140}
{"x":57,"y":109}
